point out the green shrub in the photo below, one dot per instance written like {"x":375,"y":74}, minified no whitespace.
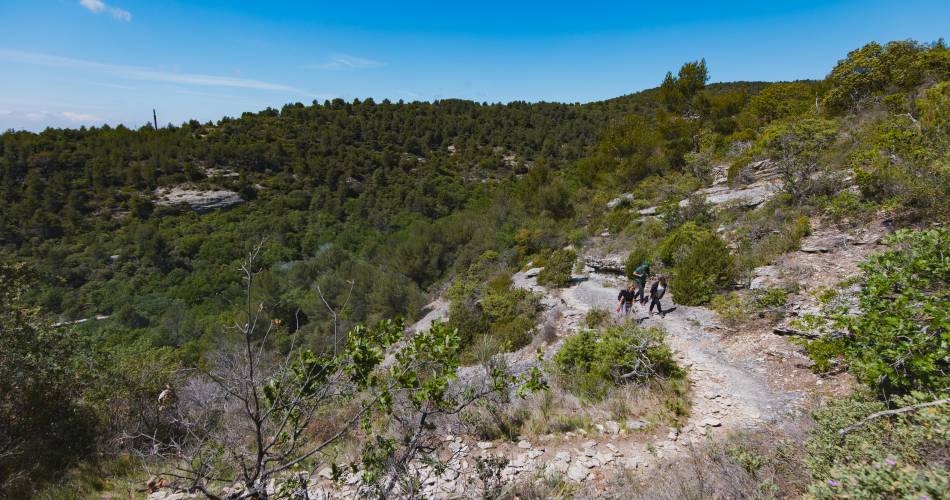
{"x":616,"y":220}
{"x":847,"y":205}
{"x":596,"y":318}
{"x":772,"y":298}
{"x":900,"y":341}
{"x":484,"y":303}
{"x":592,"y":362}
{"x":769,"y":232}
{"x":730,"y":308}
{"x":903,"y":164}
{"x":701,"y":269}
{"x":798,"y":146}
{"x":915,"y":440}
{"x":886,"y":479}
{"x":679,"y":242}
{"x":557,"y":271}
{"x":875,"y":68}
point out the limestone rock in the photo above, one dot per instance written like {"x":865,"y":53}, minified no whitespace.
{"x":577,"y":472}
{"x":533,"y":272}
{"x":613,"y":263}
{"x":198,"y":200}
{"x":623,"y":199}
{"x":635,"y":424}
{"x":765,"y":277}
{"x":712,"y":422}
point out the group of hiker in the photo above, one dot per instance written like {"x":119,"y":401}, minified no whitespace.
{"x":636,"y":292}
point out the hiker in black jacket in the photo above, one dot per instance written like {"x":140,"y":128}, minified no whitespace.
{"x":657,"y":291}
{"x":626,"y":299}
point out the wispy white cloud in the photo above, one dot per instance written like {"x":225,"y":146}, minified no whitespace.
{"x":111,"y":85}
{"x":98,"y":7}
{"x":56,"y":116}
{"x":140,"y":73}
{"x":348,"y":62}
{"x":80,"y":117}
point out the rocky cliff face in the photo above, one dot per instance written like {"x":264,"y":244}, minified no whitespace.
{"x":198,"y":200}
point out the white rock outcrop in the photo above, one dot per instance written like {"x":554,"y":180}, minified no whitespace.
{"x":198,"y":200}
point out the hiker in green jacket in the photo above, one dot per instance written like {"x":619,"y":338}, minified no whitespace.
{"x":640,"y":275}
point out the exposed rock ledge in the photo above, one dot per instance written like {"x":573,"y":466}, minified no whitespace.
{"x":198,"y":200}
{"x":611,"y":263}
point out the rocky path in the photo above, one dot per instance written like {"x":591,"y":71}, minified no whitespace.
{"x":740,"y":380}
{"x":727,"y":393}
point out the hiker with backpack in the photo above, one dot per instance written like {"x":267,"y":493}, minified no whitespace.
{"x":640,"y":275}
{"x":657,"y":291}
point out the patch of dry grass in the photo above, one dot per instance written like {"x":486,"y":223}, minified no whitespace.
{"x":661,"y":403}
{"x":763,"y":464}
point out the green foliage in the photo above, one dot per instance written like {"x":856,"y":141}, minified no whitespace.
{"x":874,"y":69}
{"x":485,"y":305}
{"x":677,"y":93}
{"x":772,"y":298}
{"x":596,"y":318}
{"x":42,"y":378}
{"x":679,"y":242}
{"x":670,"y":187}
{"x":886,"y":479}
{"x":904,"y":166}
{"x":730,"y":308}
{"x":592,"y":362}
{"x":798,"y":146}
{"x":848,"y":206}
{"x":364,"y":192}
{"x":707,"y":268}
{"x":701,"y":261}
{"x":557,"y":270}
{"x":631,"y":148}
{"x":890,"y":452}
{"x":934,"y":110}
{"x":767,"y":232}
{"x":782,"y":100}
{"x":900,"y":339}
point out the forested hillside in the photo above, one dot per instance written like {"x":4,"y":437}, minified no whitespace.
{"x":390,"y":196}
{"x":360,"y":212}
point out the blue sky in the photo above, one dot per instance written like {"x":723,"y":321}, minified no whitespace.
{"x":66,"y":63}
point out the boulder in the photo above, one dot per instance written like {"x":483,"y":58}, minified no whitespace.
{"x":635,"y":424}
{"x":577,"y":472}
{"x":750,"y":196}
{"x":610,"y":263}
{"x":623,"y":199}
{"x":765,"y":277}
